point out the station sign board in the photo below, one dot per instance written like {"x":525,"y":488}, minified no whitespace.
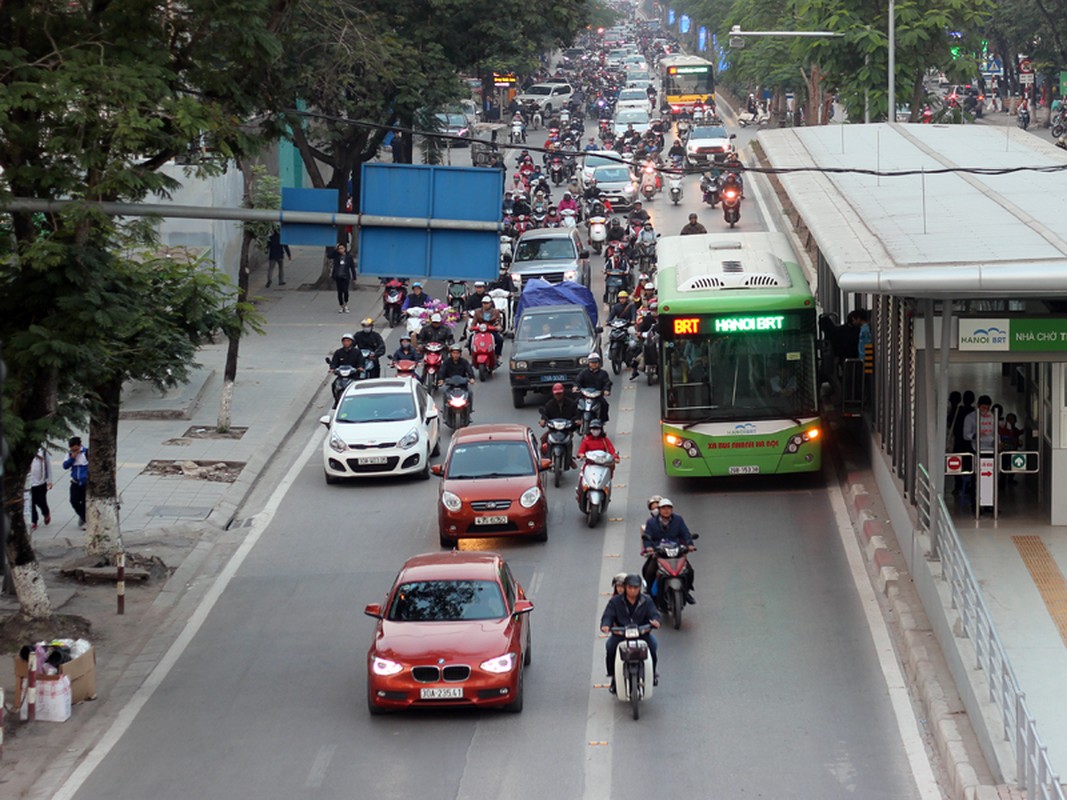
{"x":1013,"y":334}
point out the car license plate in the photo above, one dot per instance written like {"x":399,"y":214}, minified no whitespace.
{"x":496,"y":520}
{"x":374,"y":460}
{"x":552,"y":378}
{"x":441,"y":693}
{"x":744,"y":470}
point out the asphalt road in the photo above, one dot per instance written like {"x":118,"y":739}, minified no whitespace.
{"x":772,"y":688}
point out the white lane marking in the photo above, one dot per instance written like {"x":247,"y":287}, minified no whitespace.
{"x":155,"y":678}
{"x":601,"y":708}
{"x":535,"y":583}
{"x":317,"y":773}
{"x":899,"y":698}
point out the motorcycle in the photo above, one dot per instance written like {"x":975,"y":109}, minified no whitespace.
{"x":483,"y":350}
{"x":746,"y":118}
{"x":649,"y":181}
{"x":457,"y":295}
{"x":594,"y":485}
{"x":502,"y":302}
{"x":1059,"y":125}
{"x":556,"y":170}
{"x":598,"y":233}
{"x":615,"y":280}
{"x":570,"y":218}
{"x":405,"y":368}
{"x":518,"y":131}
{"x":590,"y":406}
{"x":651,"y":355}
{"x":646,"y":256}
{"x":457,"y":402}
{"x":633,"y":663}
{"x":371,"y":368}
{"x":560,"y":446}
{"x":1024,"y":118}
{"x":342,"y":377}
{"x":731,"y":204}
{"x":672,"y":567}
{"x":433,"y":356}
{"x":392,"y":300}
{"x":674,"y":187}
{"x":415,"y":321}
{"x":683,"y":130}
{"x":617,"y":337}
{"x":506,"y":253}
{"x":712,"y":189}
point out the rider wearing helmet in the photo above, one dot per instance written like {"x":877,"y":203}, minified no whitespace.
{"x":624,"y":308}
{"x":347,"y":354}
{"x":491,"y":316}
{"x":616,"y":233}
{"x":370,"y":339}
{"x":593,"y":377}
{"x":416,"y":297}
{"x":617,"y":582}
{"x":435,"y":331}
{"x":568,"y":201}
{"x":666,"y":526}
{"x":632,"y":607}
{"x":456,"y":364}
{"x":596,"y":439}
{"x":560,"y":406}
{"x":638,"y":213}
{"x":406,"y":351}
{"x":474,"y":299}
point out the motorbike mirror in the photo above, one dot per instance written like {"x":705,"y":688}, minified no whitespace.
{"x":437,"y":469}
{"x":373,"y":610}
{"x":584,"y":254}
{"x":599,"y":329}
{"x":546,"y":463}
{"x":327,"y":359}
{"x":695,"y":536}
{"x":325,"y":420}
{"x":523,"y":607}
{"x":733,"y":135}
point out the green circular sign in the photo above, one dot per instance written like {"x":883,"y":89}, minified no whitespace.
{"x":1018,"y":462}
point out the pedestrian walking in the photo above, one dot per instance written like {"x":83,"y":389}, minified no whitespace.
{"x":40,"y":485}
{"x":78,"y":463}
{"x":276,"y":255}
{"x":397,"y":146}
{"x":343,"y":274}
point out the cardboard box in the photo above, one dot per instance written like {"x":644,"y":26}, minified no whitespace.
{"x":81,"y":671}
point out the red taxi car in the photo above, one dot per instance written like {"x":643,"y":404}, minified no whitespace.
{"x":453,"y":632}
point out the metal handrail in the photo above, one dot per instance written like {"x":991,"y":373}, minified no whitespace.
{"x":1033,"y":770}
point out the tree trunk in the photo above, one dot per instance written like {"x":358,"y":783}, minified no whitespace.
{"x":229,"y":374}
{"x":26,"y":575}
{"x":103,"y":534}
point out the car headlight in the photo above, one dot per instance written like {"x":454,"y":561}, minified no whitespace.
{"x":337,"y":444}
{"x":500,"y":664}
{"x":409,"y":440}
{"x":530,"y":497}
{"x":583,"y":361}
{"x":630,"y":188}
{"x":383,"y":666}
{"x":519,"y":364}
{"x":570,"y":275}
{"x":451,"y":501}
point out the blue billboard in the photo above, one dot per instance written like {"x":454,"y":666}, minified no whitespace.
{"x":683,"y":23}
{"x":323,"y":200}
{"x":428,"y":194}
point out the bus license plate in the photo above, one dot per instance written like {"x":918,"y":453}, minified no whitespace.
{"x":552,"y":378}
{"x":497,"y":520}
{"x":441,"y":693}
{"x":374,"y":460}
{"x":744,"y":470}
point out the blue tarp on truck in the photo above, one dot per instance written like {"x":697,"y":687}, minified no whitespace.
{"x":538,"y":292}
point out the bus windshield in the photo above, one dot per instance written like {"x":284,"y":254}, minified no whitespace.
{"x":749,"y":375}
{"x":689,"y":80}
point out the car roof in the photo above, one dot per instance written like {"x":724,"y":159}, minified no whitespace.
{"x":537,"y":311}
{"x":381,"y":386}
{"x":496,"y":431}
{"x":548,"y":233}
{"x":453,"y":565}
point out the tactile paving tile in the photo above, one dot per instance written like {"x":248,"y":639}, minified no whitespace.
{"x":1047,"y":577}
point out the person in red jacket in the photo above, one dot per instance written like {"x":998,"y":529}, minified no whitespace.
{"x":596,"y":439}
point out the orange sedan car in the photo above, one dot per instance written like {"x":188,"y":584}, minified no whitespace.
{"x":493,"y":484}
{"x":453,"y":631}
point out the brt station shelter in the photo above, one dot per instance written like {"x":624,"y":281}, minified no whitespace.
{"x":964,"y":274}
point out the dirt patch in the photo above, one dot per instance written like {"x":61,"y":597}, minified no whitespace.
{"x":200,"y":432}
{"x":218,"y":471}
{"x":17,"y":630}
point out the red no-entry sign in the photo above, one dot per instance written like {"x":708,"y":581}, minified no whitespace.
{"x":953,"y":464}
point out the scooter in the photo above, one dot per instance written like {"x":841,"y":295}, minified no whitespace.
{"x":615,"y":280}
{"x":502,"y":301}
{"x":457,"y":295}
{"x":594,"y":485}
{"x":746,"y":118}
{"x":506,"y":253}
{"x":569,"y":218}
{"x":415,"y":321}
{"x":556,"y":171}
{"x":342,"y":377}
{"x":674,"y":188}
{"x":617,"y":343}
{"x":633,"y":665}
{"x":483,"y":350}
{"x":457,"y":401}
{"x":392,"y":300}
{"x":598,"y":233}
{"x":672,"y":568}
{"x":433,"y":355}
{"x":651,"y":355}
{"x":518,"y":131}
{"x":590,"y":406}
{"x":560,"y":445}
{"x":371,"y":368}
{"x":649,"y":182}
{"x":1024,"y":118}
{"x":712,"y":189}
{"x":731,"y":204}
{"x":405,"y":368}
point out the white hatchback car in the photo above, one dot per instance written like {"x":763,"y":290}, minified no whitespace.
{"x":382,"y":426}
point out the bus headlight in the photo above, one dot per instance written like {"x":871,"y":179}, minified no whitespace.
{"x":798,"y":439}
{"x":690,"y":447}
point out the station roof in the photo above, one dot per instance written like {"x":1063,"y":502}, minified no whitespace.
{"x":958,"y":235}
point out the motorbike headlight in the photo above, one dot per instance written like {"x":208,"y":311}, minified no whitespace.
{"x":500,"y":664}
{"x":530,"y":497}
{"x":337,"y":444}
{"x":519,"y":364}
{"x":451,"y":501}
{"x":409,"y":440}
{"x":383,"y":666}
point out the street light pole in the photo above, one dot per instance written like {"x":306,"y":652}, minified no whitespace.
{"x":892,"y":61}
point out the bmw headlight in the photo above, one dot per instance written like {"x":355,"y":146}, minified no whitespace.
{"x":519,"y":364}
{"x":530,"y":497}
{"x":409,"y":440}
{"x":451,"y":501}
{"x":500,"y":664}
{"x":337,"y":444}
{"x":383,"y":666}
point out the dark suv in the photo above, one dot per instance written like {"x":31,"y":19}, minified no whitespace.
{"x":552,"y":345}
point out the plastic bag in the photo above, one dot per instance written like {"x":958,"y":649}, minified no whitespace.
{"x":53,"y":700}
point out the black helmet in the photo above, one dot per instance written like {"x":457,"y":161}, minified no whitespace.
{"x":633,"y":579}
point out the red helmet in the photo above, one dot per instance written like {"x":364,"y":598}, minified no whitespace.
{"x":557,"y":387}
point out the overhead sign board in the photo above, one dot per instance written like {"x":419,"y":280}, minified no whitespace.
{"x":1013,"y":334}
{"x":295,"y":233}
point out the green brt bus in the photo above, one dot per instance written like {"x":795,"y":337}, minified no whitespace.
{"x":739,"y":389}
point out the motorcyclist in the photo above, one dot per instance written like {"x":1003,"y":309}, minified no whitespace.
{"x":666,"y":526}
{"x":647,"y":239}
{"x":560,"y":406}
{"x":591,"y":145}
{"x":370,"y":339}
{"x":553,"y":218}
{"x":347,"y":354}
{"x":630,"y":608}
{"x":624,"y":308}
{"x":406,"y":351}
{"x":474,"y":300}
{"x":456,"y":364}
{"x":638,"y":213}
{"x":435,"y":331}
{"x":596,"y":439}
{"x":733,"y":168}
{"x":521,"y":206}
{"x":677,"y":151}
{"x":568,"y":201}
{"x":593,"y":377}
{"x":416,"y":297}
{"x":616,"y":233}
{"x":648,"y":294}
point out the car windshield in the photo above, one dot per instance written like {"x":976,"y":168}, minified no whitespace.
{"x":637,"y":75}
{"x":633,"y":94}
{"x":545,"y":250}
{"x":539,"y":90}
{"x":498,"y":459}
{"x":592,"y":161}
{"x":635,"y":116}
{"x":564,"y":325}
{"x":709,"y":132}
{"x":612,"y":174}
{"x":360,"y":408}
{"x":447,"y":601}
{"x":452,"y":120}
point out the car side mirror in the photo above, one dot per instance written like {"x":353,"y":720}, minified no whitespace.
{"x":599,"y":329}
{"x":431,"y":414}
{"x":325,"y":420}
{"x":373,"y":610}
{"x":546,"y":463}
{"x":583,"y":255}
{"x":437,"y":469}
{"x":522,"y":607}
{"x":733,"y":135}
